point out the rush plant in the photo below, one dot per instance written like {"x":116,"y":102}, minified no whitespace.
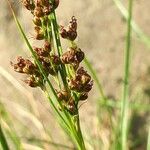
{"x":56,"y":72}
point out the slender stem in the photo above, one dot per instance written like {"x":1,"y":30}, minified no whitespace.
{"x":59,"y":48}
{"x":79,"y":131}
{"x":125,"y":99}
{"x":3,"y":140}
{"x":140,"y":34}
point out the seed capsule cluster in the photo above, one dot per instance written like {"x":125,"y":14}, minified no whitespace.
{"x":25,"y":66}
{"x":79,"y":82}
{"x":70,"y":32}
{"x":73,"y":56}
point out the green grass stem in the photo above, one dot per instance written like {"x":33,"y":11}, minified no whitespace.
{"x":125,"y":99}
{"x":140,"y":34}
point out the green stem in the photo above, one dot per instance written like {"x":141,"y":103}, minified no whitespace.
{"x":63,"y":73}
{"x":125,"y":99}
{"x":80,"y":132}
{"x":140,"y":34}
{"x":3,"y":140}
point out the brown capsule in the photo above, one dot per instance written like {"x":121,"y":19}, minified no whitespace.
{"x":55,"y":60}
{"x":39,"y":33}
{"x":72,"y":35}
{"x":29,"y":67}
{"x":38,"y":3}
{"x":84,"y":76}
{"x":83,"y":96}
{"x":75,"y":85}
{"x":28,"y":4}
{"x":39,"y":36}
{"x":47,"y":46}
{"x":81,"y":71}
{"x":73,"y":24}
{"x":38,"y":12}
{"x":41,"y":52}
{"x":47,"y":10}
{"x":31,"y":82}
{"x":37,"y":21}
{"x":45,"y":3}
{"x":24,"y":66}
{"x":80,"y":55}
{"x":71,"y":106}
{"x":62,"y":95}
{"x":85,"y":79}
{"x":69,"y":56}
{"x":88,"y":87}
{"x":56,"y":3}
{"x":63,"y":32}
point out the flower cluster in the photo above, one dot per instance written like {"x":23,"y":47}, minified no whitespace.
{"x":73,"y":56}
{"x":81,"y":83}
{"x":78,"y":81}
{"x":70,"y":32}
{"x":27,"y":67}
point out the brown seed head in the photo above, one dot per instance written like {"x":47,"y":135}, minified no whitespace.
{"x":41,"y":52}
{"x":48,"y":9}
{"x":56,"y":3}
{"x":38,"y":12}
{"x":83,"y":96}
{"x":55,"y":59}
{"x":69,"y":56}
{"x":28,"y":4}
{"x":72,"y":35}
{"x":37,"y":21}
{"x":47,"y":46}
{"x":39,"y":35}
{"x":63,"y":32}
{"x":73,"y":24}
{"x":24,"y":66}
{"x":80,"y":55}
{"x":71,"y":106}
{"x":62,"y":95}
{"x":30,"y":81}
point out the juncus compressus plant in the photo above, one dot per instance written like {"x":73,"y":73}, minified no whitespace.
{"x":50,"y":62}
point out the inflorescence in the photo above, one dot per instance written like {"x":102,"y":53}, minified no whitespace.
{"x":78,"y":81}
